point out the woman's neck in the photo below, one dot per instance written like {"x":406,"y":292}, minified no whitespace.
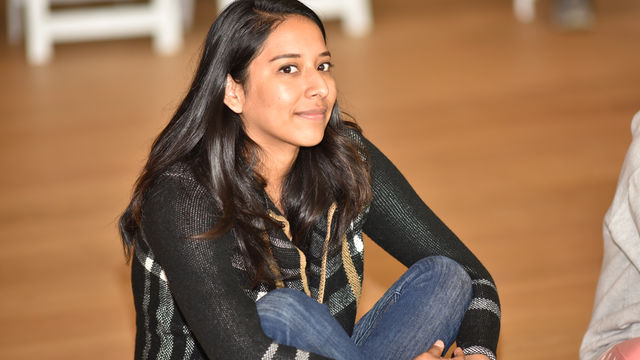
{"x":275,"y":165}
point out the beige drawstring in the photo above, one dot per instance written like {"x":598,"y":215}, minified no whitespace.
{"x":347,"y":261}
{"x":272,"y":264}
{"x":303,"y":259}
{"x":325,"y":251}
{"x":350,"y":270}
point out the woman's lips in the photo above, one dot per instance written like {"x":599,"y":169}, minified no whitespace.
{"x":313,"y":114}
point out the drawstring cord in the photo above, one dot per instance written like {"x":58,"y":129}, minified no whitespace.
{"x":303,"y":259}
{"x":349,"y":267}
{"x":325,"y":251}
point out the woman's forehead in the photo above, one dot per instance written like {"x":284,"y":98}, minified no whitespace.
{"x":295,"y":35}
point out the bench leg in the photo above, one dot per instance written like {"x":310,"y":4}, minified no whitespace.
{"x":167,"y":37}
{"x":38,"y":38}
{"x":357,"y":19}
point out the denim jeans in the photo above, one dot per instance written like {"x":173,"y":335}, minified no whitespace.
{"x":427,"y":303}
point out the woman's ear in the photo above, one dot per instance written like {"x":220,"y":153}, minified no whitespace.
{"x":233,"y":95}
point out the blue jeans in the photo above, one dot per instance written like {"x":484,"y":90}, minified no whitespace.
{"x":427,"y":303}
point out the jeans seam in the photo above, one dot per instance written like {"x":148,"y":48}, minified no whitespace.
{"x":395,"y":295}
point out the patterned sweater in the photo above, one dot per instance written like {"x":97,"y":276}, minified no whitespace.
{"x":189,"y":300}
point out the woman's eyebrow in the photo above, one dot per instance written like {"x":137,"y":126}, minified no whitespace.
{"x":284,"y":56}
{"x":296,"y":56}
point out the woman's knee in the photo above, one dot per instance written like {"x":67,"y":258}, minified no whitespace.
{"x":287,"y":314}
{"x":283,"y":302}
{"x":456,"y":279}
{"x":280,"y":311}
{"x":290,"y":308}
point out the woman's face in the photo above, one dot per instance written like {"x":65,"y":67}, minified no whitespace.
{"x":287,"y":99}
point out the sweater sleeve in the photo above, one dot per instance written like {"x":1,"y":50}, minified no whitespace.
{"x":202,"y":280}
{"x":402,"y":224}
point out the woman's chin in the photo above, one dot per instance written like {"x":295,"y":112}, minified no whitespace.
{"x":311,"y":141}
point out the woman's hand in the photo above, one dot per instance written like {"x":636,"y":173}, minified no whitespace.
{"x":435,"y":352}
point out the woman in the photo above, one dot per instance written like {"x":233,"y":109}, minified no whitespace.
{"x":246,"y":222}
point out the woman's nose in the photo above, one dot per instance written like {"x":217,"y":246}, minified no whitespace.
{"x":317,"y":85}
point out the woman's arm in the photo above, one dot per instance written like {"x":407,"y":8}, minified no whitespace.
{"x":402,"y":224}
{"x":202,"y":280}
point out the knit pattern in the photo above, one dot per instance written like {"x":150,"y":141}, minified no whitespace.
{"x":190,"y":298}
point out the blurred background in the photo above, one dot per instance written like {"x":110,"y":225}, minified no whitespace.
{"x":514,"y":133}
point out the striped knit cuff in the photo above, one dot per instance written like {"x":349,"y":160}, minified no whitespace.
{"x":479,"y":350}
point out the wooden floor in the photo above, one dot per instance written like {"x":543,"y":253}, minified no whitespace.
{"x":513,"y":133}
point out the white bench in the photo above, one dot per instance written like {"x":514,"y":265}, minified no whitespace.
{"x":356,"y":15}
{"x":44,"y":26}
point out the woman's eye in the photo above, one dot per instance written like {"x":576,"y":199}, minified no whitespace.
{"x":325,"y":66}
{"x":289,"y":69}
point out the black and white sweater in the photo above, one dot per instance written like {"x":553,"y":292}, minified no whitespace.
{"x":188,"y":295}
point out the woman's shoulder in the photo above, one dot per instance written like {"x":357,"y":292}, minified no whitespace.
{"x":353,"y":132}
{"x":178,"y":171}
{"x":176,"y":199}
{"x":178,"y":174}
{"x":178,"y":182}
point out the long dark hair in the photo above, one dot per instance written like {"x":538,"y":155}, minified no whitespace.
{"x":210,"y":139}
